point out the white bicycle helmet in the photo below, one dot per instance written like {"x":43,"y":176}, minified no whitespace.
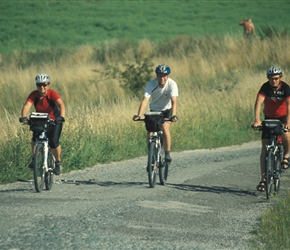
{"x":42,"y":78}
{"x":274,"y":71}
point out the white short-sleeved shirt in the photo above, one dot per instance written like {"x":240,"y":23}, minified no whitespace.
{"x":161,"y":97}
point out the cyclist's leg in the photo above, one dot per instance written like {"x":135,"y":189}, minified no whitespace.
{"x":265,"y":139}
{"x":54,"y":136}
{"x":263,"y":158}
{"x":55,"y":148}
{"x":31,"y":164}
{"x":167,"y":135}
{"x":286,"y":145}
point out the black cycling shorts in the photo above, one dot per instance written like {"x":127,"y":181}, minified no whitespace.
{"x":53,"y":135}
{"x":166,"y":113}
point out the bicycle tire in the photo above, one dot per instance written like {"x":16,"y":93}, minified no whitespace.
{"x":151,"y":164}
{"x":278,"y":169}
{"x":166,"y":170}
{"x":270,"y":161}
{"x":161,"y":172}
{"x":49,"y":173}
{"x":39,"y":172}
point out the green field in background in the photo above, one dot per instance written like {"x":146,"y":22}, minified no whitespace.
{"x":27,"y":25}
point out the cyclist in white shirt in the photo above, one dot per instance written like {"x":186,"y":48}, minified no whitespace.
{"x":163,"y":92}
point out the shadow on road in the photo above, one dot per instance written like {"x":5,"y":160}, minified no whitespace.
{"x":211,"y":189}
{"x":103,"y":184}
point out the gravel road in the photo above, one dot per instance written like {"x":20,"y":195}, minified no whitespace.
{"x":209,"y":202}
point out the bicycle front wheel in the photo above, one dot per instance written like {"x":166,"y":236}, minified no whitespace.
{"x":151,"y":164}
{"x":278,"y":169}
{"x":161,"y":168}
{"x":39,"y":172}
{"x":270,"y":161}
{"x":49,"y":173}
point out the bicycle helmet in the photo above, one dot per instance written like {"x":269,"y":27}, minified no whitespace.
{"x":274,"y":71}
{"x":42,"y":78}
{"x":162,"y":69}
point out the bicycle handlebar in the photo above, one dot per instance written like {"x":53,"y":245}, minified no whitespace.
{"x":164,"y":120}
{"x":260,"y":128}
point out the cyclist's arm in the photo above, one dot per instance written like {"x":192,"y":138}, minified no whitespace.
{"x":26,"y":108}
{"x":142,"y":107}
{"x":257,"y":110}
{"x":59,"y":102}
{"x":287,"y":125}
{"x":174,"y":104}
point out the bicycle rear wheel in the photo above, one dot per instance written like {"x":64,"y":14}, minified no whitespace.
{"x":270,"y":161}
{"x":151,"y":164}
{"x":39,"y":172}
{"x":49,"y":173}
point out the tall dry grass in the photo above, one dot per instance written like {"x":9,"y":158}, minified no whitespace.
{"x":218,"y":80}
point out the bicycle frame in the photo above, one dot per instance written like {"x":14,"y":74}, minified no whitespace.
{"x":42,"y":139}
{"x":155,"y":162}
{"x":274,"y":154}
{"x":40,"y":123}
{"x":156,"y":137}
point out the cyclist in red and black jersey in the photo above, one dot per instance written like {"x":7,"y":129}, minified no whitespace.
{"x":46,"y":100}
{"x":275,"y":95}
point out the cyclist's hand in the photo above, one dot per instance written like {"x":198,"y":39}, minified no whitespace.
{"x":256,"y":125}
{"x":174,"y":118}
{"x":136,"y":117}
{"x":23,"y":119}
{"x":60,"y":119}
{"x":286,"y":127}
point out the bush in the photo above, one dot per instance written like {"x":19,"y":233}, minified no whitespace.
{"x":133,"y":77}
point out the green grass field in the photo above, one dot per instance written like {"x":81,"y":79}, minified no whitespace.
{"x":40,"y":24}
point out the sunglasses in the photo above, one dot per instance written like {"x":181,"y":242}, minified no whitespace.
{"x":41,"y":84}
{"x":274,"y":78}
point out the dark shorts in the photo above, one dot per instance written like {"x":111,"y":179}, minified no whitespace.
{"x":166,"y":113}
{"x":53,"y":135}
{"x":267,"y":136}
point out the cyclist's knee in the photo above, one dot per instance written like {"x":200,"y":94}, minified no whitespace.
{"x":53,"y":144}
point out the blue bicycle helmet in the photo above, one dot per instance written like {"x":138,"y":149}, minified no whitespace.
{"x":162,"y":69}
{"x":274,"y":71}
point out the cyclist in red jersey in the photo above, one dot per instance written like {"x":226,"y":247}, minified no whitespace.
{"x":275,"y":95}
{"x":46,"y":100}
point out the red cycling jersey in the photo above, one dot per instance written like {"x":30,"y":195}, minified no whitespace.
{"x":45,"y":104}
{"x":275,"y":103}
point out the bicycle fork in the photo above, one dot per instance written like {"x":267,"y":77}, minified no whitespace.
{"x":45,"y":151}
{"x":273,"y":149}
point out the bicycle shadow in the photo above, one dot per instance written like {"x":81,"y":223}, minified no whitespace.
{"x":102,"y":184}
{"x":15,"y":190}
{"x":211,"y":189}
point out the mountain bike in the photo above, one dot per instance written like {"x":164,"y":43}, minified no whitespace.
{"x":274,"y":154}
{"x":43,"y":160}
{"x":155,"y":161}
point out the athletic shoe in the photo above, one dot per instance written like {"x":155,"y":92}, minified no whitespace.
{"x":167,"y":157}
{"x":57,"y":168}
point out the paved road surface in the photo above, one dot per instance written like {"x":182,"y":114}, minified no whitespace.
{"x":209,"y":202}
